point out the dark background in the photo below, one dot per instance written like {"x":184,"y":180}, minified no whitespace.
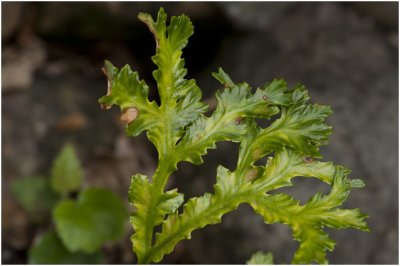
{"x":346,"y":54}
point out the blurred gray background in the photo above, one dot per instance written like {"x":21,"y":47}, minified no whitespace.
{"x":346,"y":54}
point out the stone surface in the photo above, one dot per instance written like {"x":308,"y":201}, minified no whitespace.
{"x":11,"y":14}
{"x":250,"y":16}
{"x":19,"y":65}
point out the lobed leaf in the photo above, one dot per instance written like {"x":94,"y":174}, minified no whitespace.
{"x":307,"y":221}
{"x":131,"y":95}
{"x":180,"y":98}
{"x":204,"y":133}
{"x":234,"y":104}
{"x":170,"y":40}
{"x":233,"y":188}
{"x":145,"y":217}
{"x":197,"y":213}
{"x":240,"y":99}
{"x":287,"y":164}
{"x":300,"y":127}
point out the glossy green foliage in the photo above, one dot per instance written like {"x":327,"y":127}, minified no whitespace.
{"x":48,"y":249}
{"x":180,"y":131}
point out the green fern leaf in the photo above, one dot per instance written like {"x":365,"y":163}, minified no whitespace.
{"x":308,"y":220}
{"x":140,"y":196}
{"x":180,"y":131}
{"x":234,"y":104}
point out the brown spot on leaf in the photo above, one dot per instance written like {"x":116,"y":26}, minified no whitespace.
{"x":265,"y":97}
{"x":251,"y":175}
{"x":238,"y":121}
{"x":226,"y":85}
{"x":129,"y":114}
{"x":308,"y":159}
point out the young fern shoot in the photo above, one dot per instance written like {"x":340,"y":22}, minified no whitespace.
{"x":180,"y":131}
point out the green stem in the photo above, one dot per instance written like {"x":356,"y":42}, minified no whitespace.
{"x":160,"y":178}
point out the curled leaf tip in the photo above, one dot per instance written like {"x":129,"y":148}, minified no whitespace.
{"x":108,"y":82}
{"x":144,"y":17}
{"x":109,"y":71}
{"x":105,"y":106}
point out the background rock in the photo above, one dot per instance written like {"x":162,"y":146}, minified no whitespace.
{"x":11,"y":15}
{"x":345,"y":54}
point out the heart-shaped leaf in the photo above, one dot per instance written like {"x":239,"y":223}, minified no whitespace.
{"x":97,"y":216}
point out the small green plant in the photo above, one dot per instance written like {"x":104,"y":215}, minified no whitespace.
{"x":180,"y":131}
{"x":82,"y":225}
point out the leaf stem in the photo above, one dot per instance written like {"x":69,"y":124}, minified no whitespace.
{"x":160,"y":178}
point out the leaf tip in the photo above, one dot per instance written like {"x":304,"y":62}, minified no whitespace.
{"x":110,"y":71}
{"x":223,"y":78}
{"x":356,"y":183}
{"x":145,"y":18}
